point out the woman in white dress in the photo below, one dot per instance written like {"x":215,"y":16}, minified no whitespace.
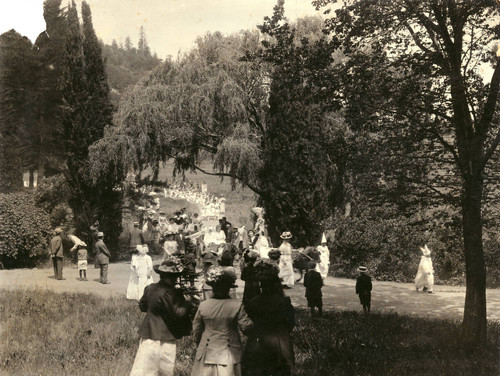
{"x":324,"y":258}
{"x":286,"y":263}
{"x":141,"y":268}
{"x":425,"y":273}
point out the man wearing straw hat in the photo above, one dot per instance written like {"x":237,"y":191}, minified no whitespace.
{"x":167,"y":319}
{"x":364,"y":288}
{"x":57,"y":253}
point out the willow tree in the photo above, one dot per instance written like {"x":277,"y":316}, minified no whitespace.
{"x":439,"y":84}
{"x":209,"y":102}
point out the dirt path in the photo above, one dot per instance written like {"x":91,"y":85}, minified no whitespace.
{"x":338,"y":293}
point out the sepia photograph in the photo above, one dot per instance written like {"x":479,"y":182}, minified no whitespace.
{"x":249,"y":187}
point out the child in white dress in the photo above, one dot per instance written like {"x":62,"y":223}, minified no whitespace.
{"x":141,"y":268}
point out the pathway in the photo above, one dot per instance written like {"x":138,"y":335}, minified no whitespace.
{"x":338,"y":293}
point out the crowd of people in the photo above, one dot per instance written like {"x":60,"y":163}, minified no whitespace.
{"x":215,"y":257}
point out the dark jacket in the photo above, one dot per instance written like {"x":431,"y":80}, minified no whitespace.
{"x":252,"y":285}
{"x":269,"y":346}
{"x":56,"y":246}
{"x":102,"y":252}
{"x":363,"y":284}
{"x":135,"y":237}
{"x":162,"y":303}
{"x":313,"y":284}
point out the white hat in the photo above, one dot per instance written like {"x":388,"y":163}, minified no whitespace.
{"x":323,"y":239}
{"x":425,"y":251}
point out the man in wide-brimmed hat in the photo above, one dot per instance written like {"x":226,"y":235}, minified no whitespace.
{"x":167,"y":319}
{"x":57,"y":253}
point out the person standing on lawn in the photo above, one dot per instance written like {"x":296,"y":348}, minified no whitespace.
{"x":167,"y":319}
{"x":215,"y":328}
{"x":141,"y":268}
{"x":269,"y":348}
{"x":103,"y":256}
{"x":313,"y":284}
{"x":81,"y":249}
{"x":425,"y":273}
{"x":324,"y":258}
{"x":364,"y":288}
{"x":57,"y":253}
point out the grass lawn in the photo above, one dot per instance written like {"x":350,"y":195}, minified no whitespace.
{"x":44,"y":333}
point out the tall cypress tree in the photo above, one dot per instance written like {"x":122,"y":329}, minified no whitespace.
{"x":86,"y":112}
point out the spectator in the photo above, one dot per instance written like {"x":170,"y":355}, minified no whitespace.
{"x":269,"y":349}
{"x":103,"y":256}
{"x":57,"y":254}
{"x":364,"y":288}
{"x":215,"y":328}
{"x":313,"y":284}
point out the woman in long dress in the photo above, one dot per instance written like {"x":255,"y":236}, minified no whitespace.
{"x":324,"y":258}
{"x":425,"y":273}
{"x":269,"y":349}
{"x":141,"y":268}
{"x":286,"y":263}
{"x":215,"y":329}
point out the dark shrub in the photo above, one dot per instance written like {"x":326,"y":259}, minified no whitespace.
{"x":25,"y":230}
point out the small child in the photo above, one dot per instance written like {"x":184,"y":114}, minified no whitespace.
{"x":364,"y":288}
{"x":81,"y":249}
{"x":313,"y":284}
{"x":82,"y":262}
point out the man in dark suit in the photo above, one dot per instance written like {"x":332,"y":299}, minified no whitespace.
{"x":57,"y":253}
{"x":167,"y":319}
{"x":135,"y":237}
{"x":103,"y":255}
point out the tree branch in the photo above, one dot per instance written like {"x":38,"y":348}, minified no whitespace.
{"x":252,"y":187}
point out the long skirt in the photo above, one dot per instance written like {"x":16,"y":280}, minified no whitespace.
{"x":286,"y":270}
{"x":154,"y":358}
{"x":202,"y":369}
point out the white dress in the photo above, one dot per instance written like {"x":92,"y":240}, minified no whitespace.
{"x":141,"y":267}
{"x":286,"y":264}
{"x":324,"y":261}
{"x":425,"y":274}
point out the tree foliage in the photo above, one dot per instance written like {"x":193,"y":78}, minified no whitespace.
{"x":87,"y":111}
{"x":421,"y":86}
{"x":25,"y":230}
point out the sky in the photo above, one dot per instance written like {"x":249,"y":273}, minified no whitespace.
{"x":171,"y":25}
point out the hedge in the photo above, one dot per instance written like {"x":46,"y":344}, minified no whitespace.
{"x":25,"y":231}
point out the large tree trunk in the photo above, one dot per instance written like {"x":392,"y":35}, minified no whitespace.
{"x":31,"y":178}
{"x":474,"y":323}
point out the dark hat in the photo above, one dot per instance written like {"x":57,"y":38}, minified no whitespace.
{"x":266,"y":270}
{"x":172,"y":265}
{"x":155,"y":222}
{"x":274,"y":254}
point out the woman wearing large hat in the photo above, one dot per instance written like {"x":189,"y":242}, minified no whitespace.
{"x":215,"y":328}
{"x":167,"y":319}
{"x":269,"y":349}
{"x":286,"y":263}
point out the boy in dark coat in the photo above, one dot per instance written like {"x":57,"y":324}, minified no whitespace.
{"x":313,"y":284}
{"x":364,"y":288}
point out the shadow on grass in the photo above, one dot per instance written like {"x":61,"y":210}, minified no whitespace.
{"x":84,"y":334}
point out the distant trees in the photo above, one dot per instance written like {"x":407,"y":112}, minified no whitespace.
{"x":17,"y":106}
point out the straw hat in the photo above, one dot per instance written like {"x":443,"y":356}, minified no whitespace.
{"x":286,"y":235}
{"x":362,"y":269}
